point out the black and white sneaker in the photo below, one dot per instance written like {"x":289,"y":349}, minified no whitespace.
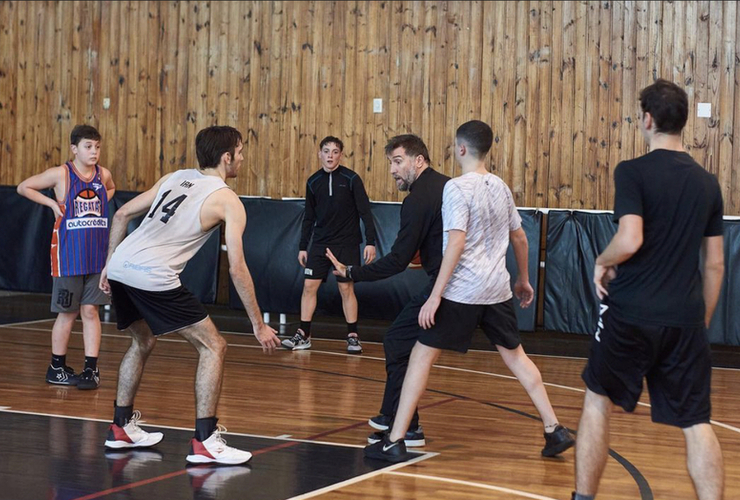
{"x":387,"y":451}
{"x":297,"y":342}
{"x":557,"y":441}
{"x":380,"y":422}
{"x":412,"y":439}
{"x":89,"y":379}
{"x":61,"y":376}
{"x":353,"y":345}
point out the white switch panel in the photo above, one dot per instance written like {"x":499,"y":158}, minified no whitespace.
{"x":377,"y":105}
{"x":704,"y":110}
{"x":106,"y":103}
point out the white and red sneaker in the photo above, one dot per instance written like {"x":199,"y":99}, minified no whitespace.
{"x":214,"y":450}
{"x":131,"y":435}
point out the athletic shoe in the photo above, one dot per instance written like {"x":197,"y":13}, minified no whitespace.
{"x":211,"y":479}
{"x":61,"y":376}
{"x":298,"y":342}
{"x":557,"y":441}
{"x":412,"y":439}
{"x":353,"y":345}
{"x":89,"y":379}
{"x":214,"y":450}
{"x":387,"y":451}
{"x":380,"y":422}
{"x":131,"y":435}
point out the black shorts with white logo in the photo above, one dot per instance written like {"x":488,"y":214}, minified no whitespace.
{"x":319,"y":265}
{"x":454,"y":324}
{"x":674,"y":360}
{"x":164,"y":312}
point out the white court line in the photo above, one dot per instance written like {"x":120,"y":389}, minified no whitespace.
{"x":443,"y":367}
{"x":6,"y":325}
{"x":364,"y":477}
{"x":172,"y":427}
{"x":474,"y":485}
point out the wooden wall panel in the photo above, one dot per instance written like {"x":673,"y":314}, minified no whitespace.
{"x":558,"y":82}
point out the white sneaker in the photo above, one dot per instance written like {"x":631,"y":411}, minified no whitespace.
{"x":131,"y":435}
{"x":214,"y":449}
{"x":297,"y":342}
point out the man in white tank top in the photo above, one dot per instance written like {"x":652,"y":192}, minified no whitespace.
{"x":143,"y":276}
{"x":473,"y":290}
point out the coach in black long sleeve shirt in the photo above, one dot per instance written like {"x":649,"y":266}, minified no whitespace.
{"x":421,"y":230}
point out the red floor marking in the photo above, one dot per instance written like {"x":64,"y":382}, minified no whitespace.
{"x":276,"y":447}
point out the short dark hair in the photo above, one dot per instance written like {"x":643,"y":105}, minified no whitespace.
{"x":328,"y":140}
{"x":477,"y":135}
{"x":412,"y":144}
{"x":212,"y":142}
{"x":81,"y":132}
{"x":668,"y":104}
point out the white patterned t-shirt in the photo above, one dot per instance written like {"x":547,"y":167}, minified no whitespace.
{"x":482,"y":206}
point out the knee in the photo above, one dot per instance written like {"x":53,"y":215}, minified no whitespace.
{"x":89,"y":312}
{"x":217,"y":345}
{"x":346,"y":290}
{"x":145,"y":343}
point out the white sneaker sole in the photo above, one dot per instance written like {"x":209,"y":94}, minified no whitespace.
{"x":202,"y":459}
{"x":301,"y":347}
{"x":151,"y":440}
{"x":416,"y":443}
{"x":376,"y":426}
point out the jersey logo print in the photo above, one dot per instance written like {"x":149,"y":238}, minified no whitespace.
{"x":602,"y":309}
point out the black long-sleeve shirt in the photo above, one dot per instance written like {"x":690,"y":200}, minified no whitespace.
{"x":421,"y":229}
{"x":335,"y":202}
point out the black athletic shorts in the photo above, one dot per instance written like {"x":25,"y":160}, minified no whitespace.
{"x":675,"y":361}
{"x":319,"y":265}
{"x":454,"y":324}
{"x":164,"y":312}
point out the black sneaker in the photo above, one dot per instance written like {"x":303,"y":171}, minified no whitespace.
{"x":380,"y":422}
{"x":297,"y":342}
{"x":557,"y":441}
{"x":387,"y":451}
{"x":412,"y":439}
{"x":61,"y":376}
{"x":89,"y":379}
{"x":353,"y":345}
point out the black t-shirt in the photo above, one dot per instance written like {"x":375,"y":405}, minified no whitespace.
{"x":680,"y":204}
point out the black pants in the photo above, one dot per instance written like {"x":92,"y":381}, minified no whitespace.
{"x":398,"y":342}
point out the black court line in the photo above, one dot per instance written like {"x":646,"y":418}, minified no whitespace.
{"x":63,"y":459}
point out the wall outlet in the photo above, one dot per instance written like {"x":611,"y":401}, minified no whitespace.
{"x":106,"y":103}
{"x":377,"y":105}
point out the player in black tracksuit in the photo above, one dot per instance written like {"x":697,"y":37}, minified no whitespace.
{"x":420,"y":231}
{"x":335,"y":202}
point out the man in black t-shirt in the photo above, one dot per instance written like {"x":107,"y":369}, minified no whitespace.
{"x":656,"y":298}
{"x":335,"y":202}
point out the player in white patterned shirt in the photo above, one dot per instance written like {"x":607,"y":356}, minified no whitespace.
{"x":472,"y":289}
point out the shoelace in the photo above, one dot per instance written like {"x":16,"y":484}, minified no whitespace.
{"x":134,"y":422}
{"x":353,"y":341}
{"x":219,"y":438}
{"x":297,"y":338}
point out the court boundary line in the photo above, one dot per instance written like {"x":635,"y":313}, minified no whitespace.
{"x":500,"y":489}
{"x":443,"y":367}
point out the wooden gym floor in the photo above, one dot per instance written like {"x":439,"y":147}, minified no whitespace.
{"x":303,"y":415}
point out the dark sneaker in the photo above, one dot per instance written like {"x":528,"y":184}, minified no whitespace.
{"x":297,"y":342}
{"x":412,"y":439}
{"x":380,"y":422}
{"x":557,"y":441}
{"x":387,"y":451}
{"x":61,"y":376}
{"x":353,"y":345}
{"x":89,"y":379}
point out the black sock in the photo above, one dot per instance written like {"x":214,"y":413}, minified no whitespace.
{"x":122,"y":414}
{"x":58,"y":361}
{"x":352,"y":328}
{"x":91,"y":363}
{"x":306,"y":327}
{"x":204,"y":427}
{"x":577,"y":496}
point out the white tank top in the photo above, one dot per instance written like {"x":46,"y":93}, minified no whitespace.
{"x":153,"y":256}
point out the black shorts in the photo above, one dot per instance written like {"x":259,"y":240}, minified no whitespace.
{"x":319,"y":265}
{"x":455,"y":323}
{"x":164,"y":312}
{"x":675,"y":361}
